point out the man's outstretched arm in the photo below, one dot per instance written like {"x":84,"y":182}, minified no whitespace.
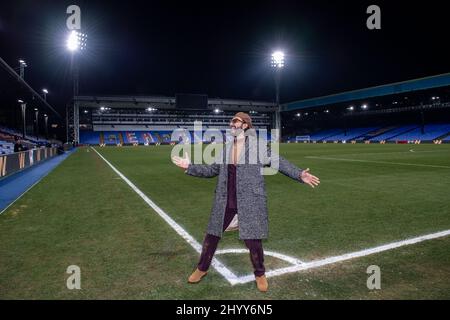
{"x":196,"y":170}
{"x":292,"y":171}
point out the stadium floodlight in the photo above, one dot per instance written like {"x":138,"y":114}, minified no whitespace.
{"x":364,"y":106}
{"x":23,"y":107}
{"x":278,"y":59}
{"x":298,"y":115}
{"x":36,"y":112}
{"x":22,"y":66}
{"x":46,"y":125}
{"x":277,"y":63}
{"x":76,"y":41}
{"x":45,"y":91}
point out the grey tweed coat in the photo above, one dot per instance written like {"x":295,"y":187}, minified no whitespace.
{"x":250,"y":190}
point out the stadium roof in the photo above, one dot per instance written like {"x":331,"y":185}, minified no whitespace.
{"x":169,"y":103}
{"x":442,"y":80}
{"x":34,"y":94}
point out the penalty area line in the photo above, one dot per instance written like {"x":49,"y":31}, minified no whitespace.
{"x":348,"y":256}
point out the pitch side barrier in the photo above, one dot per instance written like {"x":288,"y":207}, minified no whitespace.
{"x":15,"y":162}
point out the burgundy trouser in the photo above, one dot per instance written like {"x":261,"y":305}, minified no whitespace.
{"x":210,"y":246}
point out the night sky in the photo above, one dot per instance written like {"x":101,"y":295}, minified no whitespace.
{"x":222,"y":48}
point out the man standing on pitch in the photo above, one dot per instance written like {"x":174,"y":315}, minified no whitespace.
{"x":240,"y":191}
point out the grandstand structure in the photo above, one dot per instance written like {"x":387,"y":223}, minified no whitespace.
{"x":131,"y":120}
{"x":404,"y":112}
{"x":412,"y":111}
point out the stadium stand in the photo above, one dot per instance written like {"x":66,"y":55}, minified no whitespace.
{"x":323,"y":135}
{"x":373,"y":134}
{"x":430,"y":132}
{"x":351,"y":134}
{"x":393,"y":133}
{"x":6,"y":147}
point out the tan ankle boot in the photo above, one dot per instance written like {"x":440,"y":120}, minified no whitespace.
{"x":197,"y":276}
{"x":261,"y":283}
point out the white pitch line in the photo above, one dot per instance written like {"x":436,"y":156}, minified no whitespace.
{"x":277,"y":255}
{"x":31,"y":187}
{"x":391,"y":152}
{"x":348,"y":256}
{"x":216,"y":264}
{"x":22,"y":194}
{"x":380,"y":162}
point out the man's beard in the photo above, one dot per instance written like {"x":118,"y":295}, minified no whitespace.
{"x":236,"y":131}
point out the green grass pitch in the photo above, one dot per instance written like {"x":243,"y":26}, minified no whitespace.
{"x":83,"y":214}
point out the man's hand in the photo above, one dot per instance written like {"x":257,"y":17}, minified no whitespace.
{"x":309,"y":179}
{"x":182,"y":162}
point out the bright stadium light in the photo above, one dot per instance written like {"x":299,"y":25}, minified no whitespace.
{"x":76,"y":41}
{"x":351,"y":108}
{"x":22,"y":66}
{"x":364,"y":106}
{"x":278,"y":59}
{"x":45,"y":92}
{"x":298,"y":115}
{"x":277,"y":63}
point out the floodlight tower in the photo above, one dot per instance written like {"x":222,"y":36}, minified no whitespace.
{"x":36,"y":112}
{"x":22,"y":66}
{"x":23,"y":107}
{"x":44,"y":93}
{"x":46,"y":126}
{"x":76,"y":42}
{"x":277,"y":63}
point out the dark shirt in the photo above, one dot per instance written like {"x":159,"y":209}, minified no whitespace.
{"x":231,"y":187}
